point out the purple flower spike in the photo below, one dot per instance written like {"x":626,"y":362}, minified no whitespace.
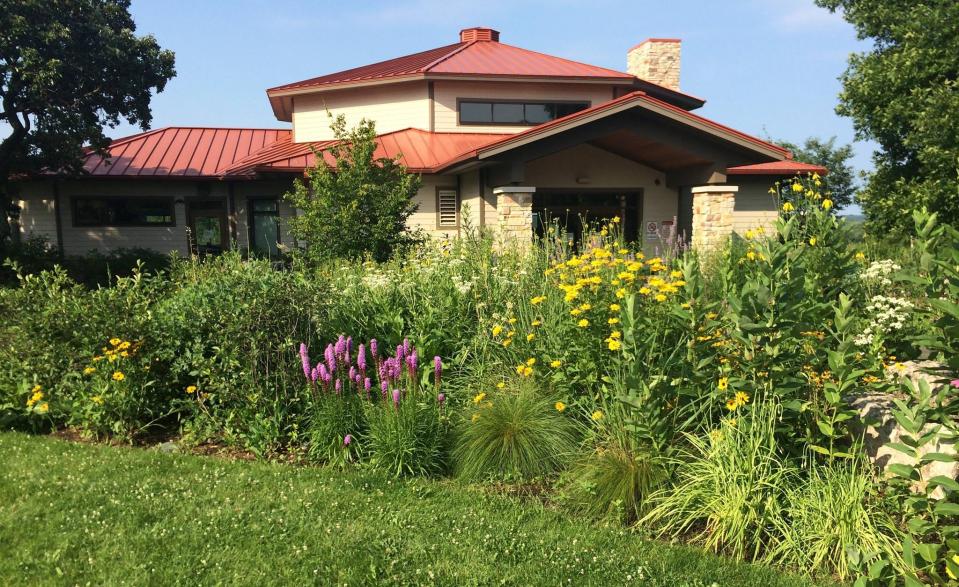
{"x":314,"y":374}
{"x":406,"y":346}
{"x":361,"y":358}
{"x":374,"y":349}
{"x":347,"y":439}
{"x":367,"y":384}
{"x":437,"y":368}
{"x":400,"y":354}
{"x":441,"y":398}
{"x":411,"y":361}
{"x":305,"y":357}
{"x":396,"y":398}
{"x":349,"y":345}
{"x":339,"y":386}
{"x":384,"y":386}
{"x":330,"y":356}
{"x":340,"y":346}
{"x":954,"y":383}
{"x":353,"y":373}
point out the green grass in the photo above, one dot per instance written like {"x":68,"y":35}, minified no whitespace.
{"x":77,"y":514}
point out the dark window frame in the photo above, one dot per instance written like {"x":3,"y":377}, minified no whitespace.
{"x":251,"y":225}
{"x":459,"y":118}
{"x":76,"y":200}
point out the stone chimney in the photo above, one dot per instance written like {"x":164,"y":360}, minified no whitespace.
{"x":657,"y":61}
{"x":479,"y":34}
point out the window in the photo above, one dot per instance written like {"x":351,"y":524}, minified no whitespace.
{"x":123,"y":211}
{"x":514,"y":112}
{"x":265,"y":226}
{"x":447,"y":208}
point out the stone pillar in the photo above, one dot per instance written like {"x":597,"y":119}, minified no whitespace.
{"x":514,"y":212}
{"x":712,"y":215}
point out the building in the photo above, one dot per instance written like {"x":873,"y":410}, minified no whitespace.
{"x":506,"y":135}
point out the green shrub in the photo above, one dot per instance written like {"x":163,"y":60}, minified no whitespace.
{"x":330,"y":420}
{"x":407,"y":436}
{"x":730,"y":487}
{"x":515,"y":435}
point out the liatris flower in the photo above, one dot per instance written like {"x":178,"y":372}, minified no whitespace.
{"x":406,"y":346}
{"x":349,"y":346}
{"x":339,"y":386}
{"x":361,"y":358}
{"x":954,"y":383}
{"x":440,"y":398}
{"x":314,"y":374}
{"x":411,"y":361}
{"x":374,"y":349}
{"x":384,"y":386}
{"x":352,"y":373}
{"x":437,"y":369}
{"x":330,"y":356}
{"x":305,"y":357}
{"x":340,"y":346}
{"x":367,"y":385}
{"x":347,"y":439}
{"x":400,"y":354}
{"x":396,"y":398}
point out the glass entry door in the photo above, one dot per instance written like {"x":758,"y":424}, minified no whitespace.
{"x":207,"y":221}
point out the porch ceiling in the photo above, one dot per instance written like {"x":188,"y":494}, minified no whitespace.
{"x":650,"y":152}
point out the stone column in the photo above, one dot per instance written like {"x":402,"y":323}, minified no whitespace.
{"x":514,"y":212}
{"x":712,"y":215}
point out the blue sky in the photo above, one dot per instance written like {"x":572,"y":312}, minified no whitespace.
{"x":767,"y":67}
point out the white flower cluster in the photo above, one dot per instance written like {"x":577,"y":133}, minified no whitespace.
{"x":878,"y":272}
{"x":888,"y":315}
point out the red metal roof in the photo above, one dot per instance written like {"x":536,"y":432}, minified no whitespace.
{"x":470,"y":58}
{"x":633,"y":98}
{"x":419,"y":150}
{"x":180,"y":152}
{"x":787,"y":167}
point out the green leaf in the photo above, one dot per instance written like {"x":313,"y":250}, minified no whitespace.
{"x":929,"y":552}
{"x":945,"y":508}
{"x":945,"y":482}
{"x":939,"y":457}
{"x":904,"y":471}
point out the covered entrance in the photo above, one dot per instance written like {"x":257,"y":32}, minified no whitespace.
{"x":573,"y":211}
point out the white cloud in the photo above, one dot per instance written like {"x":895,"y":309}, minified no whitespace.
{"x":800,"y":15}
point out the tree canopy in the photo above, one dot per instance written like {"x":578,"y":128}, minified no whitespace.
{"x":357,"y":205}
{"x":69,"y":68}
{"x":904,"y":94}
{"x":839,"y":182}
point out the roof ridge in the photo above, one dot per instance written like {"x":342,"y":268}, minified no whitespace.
{"x":462,"y":47}
{"x":622,"y":73}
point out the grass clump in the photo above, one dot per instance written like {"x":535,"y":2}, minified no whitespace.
{"x":515,"y":436}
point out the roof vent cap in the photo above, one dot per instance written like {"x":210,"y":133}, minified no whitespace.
{"x":479,"y":34}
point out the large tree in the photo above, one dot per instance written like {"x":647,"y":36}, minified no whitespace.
{"x":839,"y":182}
{"x":904,"y":94}
{"x":69,"y":68}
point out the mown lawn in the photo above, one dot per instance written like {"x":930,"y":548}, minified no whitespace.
{"x":78,"y":514}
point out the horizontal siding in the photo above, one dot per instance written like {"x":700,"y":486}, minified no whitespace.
{"x":754,"y":206}
{"x":392,"y":107}
{"x":37,"y":212}
{"x":445,"y":95}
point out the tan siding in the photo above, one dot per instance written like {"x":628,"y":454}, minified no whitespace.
{"x":392,"y":107}
{"x":754,"y":206}
{"x":446,"y":93}
{"x":37,"y":211}
{"x":470,"y":198}
{"x":243,"y":191}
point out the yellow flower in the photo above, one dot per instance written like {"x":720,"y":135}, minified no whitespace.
{"x":751,"y":255}
{"x":614,"y":345}
{"x":711,"y":316}
{"x":575,"y":312}
{"x":723,"y":383}
{"x":507,"y":342}
{"x":750,"y":234}
{"x":615,"y":220}
{"x":475,"y":417}
{"x":597,"y":416}
{"x":583,"y":323}
{"x":615,"y":334}
{"x":621,"y":292}
{"x":586,"y":307}
{"x":501,"y":385}
{"x":115,"y":341}
{"x":89,"y":370}
{"x":676,"y":274}
{"x":479,"y":397}
{"x":614,"y":307}
{"x":613,"y":321}
{"x":97,"y":400}
{"x":124,"y":345}
{"x":530,"y":337}
{"x":538,"y":300}
{"x":497,"y":330}
{"x":742,"y":398}
{"x":788,"y":207}
{"x":512,"y":320}
{"x":43,"y":408}
{"x":660,"y":297}
{"x":531,"y":361}
{"x":36,"y":388}
{"x":860,"y":256}
{"x":537,"y":322}
{"x":812,"y":241}
{"x":731,"y":405}
{"x":191,"y":389}
{"x":560,"y":406}
{"x":118,"y":376}
{"x":826,"y":204}
{"x":645,"y":291}
{"x":556,"y":364}
{"x":797,"y":187}
{"x":36,"y":397}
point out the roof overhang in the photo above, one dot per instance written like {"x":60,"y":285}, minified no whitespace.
{"x":762,"y":150}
